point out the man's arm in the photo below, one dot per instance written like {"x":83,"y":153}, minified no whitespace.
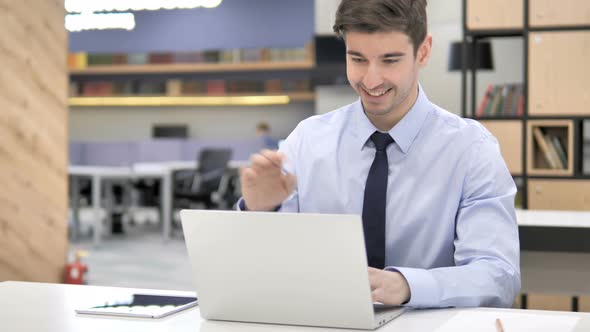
{"x":487,"y":250}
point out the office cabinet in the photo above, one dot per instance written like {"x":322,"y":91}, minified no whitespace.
{"x":497,"y":14}
{"x":546,"y":13}
{"x":509,"y":136}
{"x":549,"y":302}
{"x":559,"y":73}
{"x":550,"y":147}
{"x":551,"y":194}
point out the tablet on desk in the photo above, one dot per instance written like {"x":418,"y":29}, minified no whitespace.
{"x":139,"y":305}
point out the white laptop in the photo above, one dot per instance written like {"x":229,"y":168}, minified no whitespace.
{"x":282,"y":268}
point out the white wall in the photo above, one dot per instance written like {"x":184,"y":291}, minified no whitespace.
{"x":110,"y":123}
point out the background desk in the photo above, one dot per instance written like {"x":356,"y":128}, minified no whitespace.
{"x":36,"y":307}
{"x":161,"y":171}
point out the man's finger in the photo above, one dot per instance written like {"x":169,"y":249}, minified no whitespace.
{"x":289,"y":182}
{"x":248,"y":175}
{"x":273,"y":156}
{"x":374,"y":278}
{"x":376,"y":295}
{"x":261,"y":162}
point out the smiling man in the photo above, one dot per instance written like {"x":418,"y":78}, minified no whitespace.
{"x":436,"y":198}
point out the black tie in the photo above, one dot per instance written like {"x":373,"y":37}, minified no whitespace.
{"x":375,"y":202}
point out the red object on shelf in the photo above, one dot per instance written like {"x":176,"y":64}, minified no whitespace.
{"x":74,"y":273}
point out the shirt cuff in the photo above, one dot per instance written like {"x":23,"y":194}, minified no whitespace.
{"x":241,"y":206}
{"x":424,"y":290}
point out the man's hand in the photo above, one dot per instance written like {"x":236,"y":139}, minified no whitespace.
{"x":264,"y":186}
{"x":388,"y":287}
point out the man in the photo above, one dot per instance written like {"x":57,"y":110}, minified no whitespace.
{"x":435,"y":195}
{"x":263,"y":132}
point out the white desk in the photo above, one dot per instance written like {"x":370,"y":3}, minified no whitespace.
{"x":40,"y":307}
{"x":547,"y":218}
{"x":162,"y":171}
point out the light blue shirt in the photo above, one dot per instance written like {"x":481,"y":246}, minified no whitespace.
{"x":451,"y":227}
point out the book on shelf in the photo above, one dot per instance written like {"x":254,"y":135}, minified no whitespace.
{"x":560,"y":150}
{"x":124,"y":88}
{"x":173,"y":87}
{"x":160,"y":58}
{"x":137,"y":58}
{"x":77,"y":60}
{"x":192,"y":87}
{"x":273,"y":86}
{"x":211,"y":56}
{"x":120,"y":59}
{"x":73,"y":89}
{"x":556,"y":157}
{"x":100,"y":59}
{"x":188,"y":57}
{"x":553,"y":153}
{"x":501,"y":100}
{"x":482,"y":106}
{"x":151,"y":88}
{"x":97,"y":88}
{"x":215,"y":87}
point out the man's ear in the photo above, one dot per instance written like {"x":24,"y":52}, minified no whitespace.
{"x":423,"y":54}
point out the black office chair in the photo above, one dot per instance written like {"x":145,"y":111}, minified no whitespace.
{"x":204,"y":185}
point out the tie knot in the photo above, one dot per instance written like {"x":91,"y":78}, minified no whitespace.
{"x":381,"y":140}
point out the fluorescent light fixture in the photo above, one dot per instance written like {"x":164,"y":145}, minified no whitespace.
{"x":90,"y":21}
{"x":181,"y":101}
{"x":86,"y":6}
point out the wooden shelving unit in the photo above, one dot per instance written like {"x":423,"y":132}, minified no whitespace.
{"x":509,"y":135}
{"x":556,"y":97}
{"x":556,"y":77}
{"x":543,"y":156}
{"x":179,"y":68}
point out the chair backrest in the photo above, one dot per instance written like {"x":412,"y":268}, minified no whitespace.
{"x":212,"y":166}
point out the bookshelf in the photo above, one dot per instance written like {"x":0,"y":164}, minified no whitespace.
{"x":541,"y":136}
{"x":236,"y":77}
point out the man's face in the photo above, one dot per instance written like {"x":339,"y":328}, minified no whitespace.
{"x":382,"y":69}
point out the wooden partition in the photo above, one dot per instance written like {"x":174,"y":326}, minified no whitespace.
{"x":549,"y":302}
{"x":509,"y":136}
{"x":493,"y":15}
{"x":559,"y":194}
{"x":547,"y":13}
{"x":33,"y":140}
{"x":559,"y":74}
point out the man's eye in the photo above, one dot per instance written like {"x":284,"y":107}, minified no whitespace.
{"x":390,"y":61}
{"x":358,"y":60}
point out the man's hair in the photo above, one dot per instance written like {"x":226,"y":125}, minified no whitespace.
{"x":406,"y":16}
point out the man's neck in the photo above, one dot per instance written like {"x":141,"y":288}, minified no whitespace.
{"x":386,"y":122}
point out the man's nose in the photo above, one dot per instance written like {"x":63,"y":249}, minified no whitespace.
{"x":372,"y":78}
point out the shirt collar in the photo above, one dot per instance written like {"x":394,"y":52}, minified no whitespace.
{"x":404,"y":132}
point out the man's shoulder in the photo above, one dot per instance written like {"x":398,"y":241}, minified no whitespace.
{"x":454,"y":125}
{"x":332,"y":120}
